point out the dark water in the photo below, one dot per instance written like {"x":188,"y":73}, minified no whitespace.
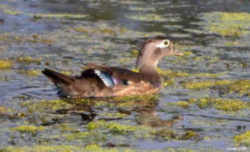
{"x":66,"y":34}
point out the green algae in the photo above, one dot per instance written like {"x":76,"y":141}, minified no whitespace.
{"x":183,"y":104}
{"x":240,"y":86}
{"x":88,"y":148}
{"x":197,"y":85}
{"x":43,"y":148}
{"x":76,"y":135}
{"x":113,"y":127}
{"x":243,"y":139}
{"x":62,"y":15}
{"x":147,"y":17}
{"x":66,"y":148}
{"x":28,"y":129}
{"x":189,"y":135}
{"x":31,"y":73}
{"x":10,"y":11}
{"x":45,"y":105}
{"x":5,"y":64}
{"x":169,"y":134}
{"x":228,"y":24}
{"x":113,"y":115}
{"x":227,"y":105}
{"x":28,"y":60}
{"x":14,"y":38}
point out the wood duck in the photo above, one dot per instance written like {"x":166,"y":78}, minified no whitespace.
{"x":105,"y":81}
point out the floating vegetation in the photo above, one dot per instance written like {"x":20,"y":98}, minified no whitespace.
{"x":227,"y":105}
{"x":71,"y":148}
{"x":147,"y":17}
{"x":206,"y":84}
{"x":243,"y":139}
{"x":5,"y":64}
{"x":28,"y":129}
{"x":120,"y":129}
{"x":183,"y":104}
{"x":45,"y":105}
{"x":31,"y":73}
{"x":76,"y":135}
{"x":29,"y":60}
{"x":240,"y":86}
{"x":35,"y":38}
{"x":43,"y":148}
{"x":228,"y":24}
{"x":111,"y":126}
{"x":168,"y":134}
{"x":10,"y":11}
{"x":63,"y":15}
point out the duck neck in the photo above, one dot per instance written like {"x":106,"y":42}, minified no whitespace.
{"x":151,"y":73}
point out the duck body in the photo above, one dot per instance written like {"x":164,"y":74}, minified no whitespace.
{"x":105,"y":81}
{"x":102,"y":81}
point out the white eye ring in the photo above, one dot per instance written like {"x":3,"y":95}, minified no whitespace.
{"x":164,"y":44}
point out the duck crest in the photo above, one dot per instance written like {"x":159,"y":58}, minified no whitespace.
{"x":105,"y":81}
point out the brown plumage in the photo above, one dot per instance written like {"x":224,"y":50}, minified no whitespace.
{"x":104,"y":81}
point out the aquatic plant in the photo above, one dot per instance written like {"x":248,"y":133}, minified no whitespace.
{"x":228,"y":24}
{"x":5,"y":64}
{"x":28,"y":129}
{"x":197,"y":85}
{"x":227,"y":105}
{"x":28,"y":59}
{"x":243,"y":139}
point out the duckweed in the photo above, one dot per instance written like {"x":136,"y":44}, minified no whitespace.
{"x":240,"y":86}
{"x":43,"y":148}
{"x":228,"y":24}
{"x":5,"y":64}
{"x":206,"y":84}
{"x":28,"y":129}
{"x":243,"y":139}
{"x":183,"y":104}
{"x":76,"y":135}
{"x":189,"y":135}
{"x":35,"y":38}
{"x":113,"y":127}
{"x":29,"y":59}
{"x":228,"y":105}
{"x":7,"y":10}
{"x":147,"y":17}
{"x":114,"y":115}
{"x":46,"y":105}
{"x":31,"y":73}
{"x":64,"y":148}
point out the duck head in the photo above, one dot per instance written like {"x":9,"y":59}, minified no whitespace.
{"x":153,"y":51}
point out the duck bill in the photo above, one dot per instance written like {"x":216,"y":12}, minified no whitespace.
{"x":178,"y":53}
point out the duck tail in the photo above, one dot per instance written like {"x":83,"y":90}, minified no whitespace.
{"x":58,"y":78}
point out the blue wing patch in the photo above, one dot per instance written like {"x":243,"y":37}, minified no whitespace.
{"x":106,"y":78}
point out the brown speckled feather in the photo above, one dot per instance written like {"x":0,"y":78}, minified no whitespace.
{"x":104,"y":81}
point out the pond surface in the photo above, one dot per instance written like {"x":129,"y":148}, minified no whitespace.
{"x":203,"y":107}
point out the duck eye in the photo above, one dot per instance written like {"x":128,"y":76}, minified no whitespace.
{"x":166,"y":43}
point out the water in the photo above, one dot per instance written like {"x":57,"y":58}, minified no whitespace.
{"x":66,"y":34}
